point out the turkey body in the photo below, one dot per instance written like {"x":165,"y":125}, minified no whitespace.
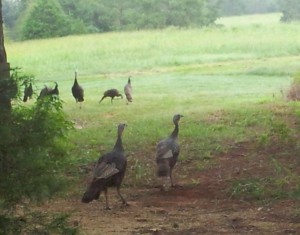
{"x":28,"y":92}
{"x":77,"y":91}
{"x":128,"y":91}
{"x":167,"y":152}
{"x":109,"y":172}
{"x":112,"y":93}
{"x":47,"y":91}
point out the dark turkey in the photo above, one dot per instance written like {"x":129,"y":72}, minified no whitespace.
{"x":167,"y":152}
{"x":128,"y":91}
{"x":109,"y":172}
{"x":112,"y":93}
{"x":48,"y":91}
{"x":77,"y":91}
{"x":28,"y":92}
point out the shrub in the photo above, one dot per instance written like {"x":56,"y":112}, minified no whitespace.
{"x":33,"y":150}
{"x":46,"y":20}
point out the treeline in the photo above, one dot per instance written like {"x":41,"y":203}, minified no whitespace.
{"x":242,"y":7}
{"x":30,"y":19}
{"x":45,"y":18}
{"x":290,"y":8}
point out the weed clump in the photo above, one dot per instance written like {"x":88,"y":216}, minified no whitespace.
{"x":294,"y":91}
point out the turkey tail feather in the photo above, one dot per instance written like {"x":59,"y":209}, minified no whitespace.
{"x":93,"y":192}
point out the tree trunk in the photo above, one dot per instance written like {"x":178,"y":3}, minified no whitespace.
{"x":5,"y":103}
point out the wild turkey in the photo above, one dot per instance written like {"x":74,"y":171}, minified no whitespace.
{"x":28,"y":91}
{"x":128,"y":91}
{"x":109,"y":172}
{"x":112,"y":93}
{"x":77,"y":91}
{"x":54,"y":91}
{"x":167,"y":151}
{"x":49,"y":91}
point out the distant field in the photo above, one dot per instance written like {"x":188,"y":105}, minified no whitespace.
{"x":258,"y":20}
{"x":244,"y":64}
{"x":190,"y":71}
{"x":119,"y":54}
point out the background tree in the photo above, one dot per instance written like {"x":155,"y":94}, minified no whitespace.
{"x":240,"y":7}
{"x":290,"y":10}
{"x":3,"y":58}
{"x":89,"y":16}
{"x":46,"y":20}
{"x":41,"y":19}
{"x":12,"y":10}
{"x":7,"y":88}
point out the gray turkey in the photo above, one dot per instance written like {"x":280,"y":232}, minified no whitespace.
{"x":48,"y":91}
{"x":109,"y":172}
{"x":112,"y":93}
{"x":28,"y":92}
{"x":77,"y":91}
{"x":128,"y":91}
{"x":167,"y":152}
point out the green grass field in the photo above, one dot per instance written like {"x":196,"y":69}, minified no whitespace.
{"x":226,"y":81}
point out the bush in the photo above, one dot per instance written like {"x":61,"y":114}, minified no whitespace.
{"x":33,"y":155}
{"x":45,"y":21}
{"x":33,"y":152}
{"x":37,"y":223}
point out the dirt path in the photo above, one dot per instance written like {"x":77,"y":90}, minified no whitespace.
{"x":199,"y":206}
{"x":184,"y":210}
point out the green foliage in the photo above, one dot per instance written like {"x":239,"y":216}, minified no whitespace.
{"x":225,"y":51}
{"x":248,"y":188}
{"x":278,"y":131}
{"x":11,"y":11}
{"x":10,"y":225}
{"x":37,"y":223}
{"x":241,"y":7}
{"x":140,"y":173}
{"x":294,"y":90}
{"x":284,"y":183}
{"x":290,"y":10}
{"x":8,"y":90}
{"x":33,"y":152}
{"x":146,"y":14}
{"x":296,"y":77}
{"x":46,"y":20}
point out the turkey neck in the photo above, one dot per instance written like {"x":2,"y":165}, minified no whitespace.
{"x":175,"y":132}
{"x":119,"y":146}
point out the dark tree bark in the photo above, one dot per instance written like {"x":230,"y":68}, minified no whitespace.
{"x":5,"y":102}
{"x":3,"y":58}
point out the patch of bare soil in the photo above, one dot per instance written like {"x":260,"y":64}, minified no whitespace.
{"x":199,"y":205}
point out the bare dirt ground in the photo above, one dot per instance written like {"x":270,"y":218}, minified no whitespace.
{"x":199,"y":205}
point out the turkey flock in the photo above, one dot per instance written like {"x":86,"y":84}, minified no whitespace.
{"x":77,"y":92}
{"x":110,"y":168}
